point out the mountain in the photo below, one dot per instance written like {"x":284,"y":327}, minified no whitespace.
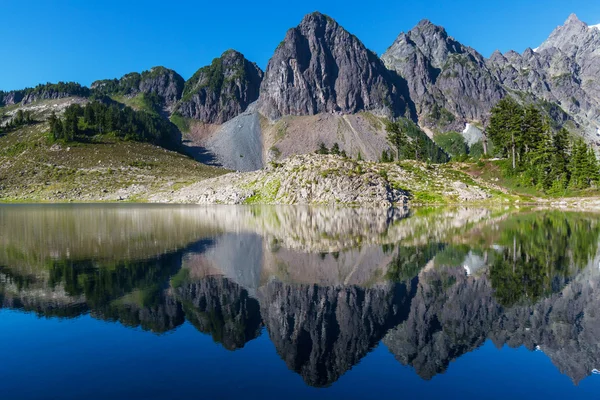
{"x":165,"y":83}
{"x":48,"y":91}
{"x":324,"y":87}
{"x":222,"y":90}
{"x":562,"y":70}
{"x":321,"y":68}
{"x":453,"y":85}
{"x":449,"y":83}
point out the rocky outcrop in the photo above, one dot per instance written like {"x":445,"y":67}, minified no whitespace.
{"x":220,"y":91}
{"x":321,"y":68}
{"x":332,"y":180}
{"x":449,"y":83}
{"x":53,"y":91}
{"x":10,"y":98}
{"x":302,"y":180}
{"x":165,"y":83}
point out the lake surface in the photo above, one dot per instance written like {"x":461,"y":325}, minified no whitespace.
{"x":106,"y":301}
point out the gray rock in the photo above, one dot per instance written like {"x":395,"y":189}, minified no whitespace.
{"x":449,"y":83}
{"x":321,"y":68}
{"x":564,"y":70}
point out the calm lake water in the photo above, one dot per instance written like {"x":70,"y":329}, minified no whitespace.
{"x":289,"y":302}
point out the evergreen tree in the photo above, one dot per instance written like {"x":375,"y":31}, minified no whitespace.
{"x":506,"y":127}
{"x":397,"y":138}
{"x":322,"y":149}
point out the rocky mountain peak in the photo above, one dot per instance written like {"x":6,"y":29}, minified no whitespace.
{"x":574,"y":20}
{"x":572,"y":36}
{"x":320,"y":67}
{"x":448,"y":82}
{"x":222,"y":90}
{"x":434,"y":42}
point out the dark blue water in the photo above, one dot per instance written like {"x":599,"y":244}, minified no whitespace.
{"x":149,"y":303}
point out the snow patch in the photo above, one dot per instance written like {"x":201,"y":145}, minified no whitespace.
{"x":594,"y":26}
{"x":472,"y":134}
{"x":536,"y":49}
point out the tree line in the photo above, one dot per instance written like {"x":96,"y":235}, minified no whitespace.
{"x":541,"y":156}
{"x":96,"y":118}
{"x":409,"y":142}
{"x":20,"y":119}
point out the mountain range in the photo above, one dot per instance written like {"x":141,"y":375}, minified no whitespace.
{"x":322,"y":85}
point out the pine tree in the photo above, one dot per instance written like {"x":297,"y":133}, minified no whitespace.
{"x":397,"y":138}
{"x":579,"y":166}
{"x":506,"y":127}
{"x":592,"y":167}
{"x":322,"y":149}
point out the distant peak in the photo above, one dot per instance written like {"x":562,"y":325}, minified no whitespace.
{"x":496,"y":55}
{"x":231,"y":53}
{"x":572,"y":18}
{"x":316,"y":16}
{"x":426,"y":25}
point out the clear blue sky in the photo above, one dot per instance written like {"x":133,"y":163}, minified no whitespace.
{"x":85,"y":40}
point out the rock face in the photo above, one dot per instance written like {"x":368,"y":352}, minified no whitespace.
{"x":452,"y":84}
{"x":220,"y":91}
{"x":321,"y":68}
{"x":564,"y":70}
{"x":10,"y":98}
{"x":449,"y":83}
{"x":163,"y":82}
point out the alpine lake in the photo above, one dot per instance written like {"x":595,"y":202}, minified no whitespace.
{"x":222,"y":302}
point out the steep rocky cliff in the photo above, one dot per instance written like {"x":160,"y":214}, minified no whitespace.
{"x":222,"y":90}
{"x":452,"y":84}
{"x":563,"y":70}
{"x":321,"y":68}
{"x":10,"y":98}
{"x":448,"y":82}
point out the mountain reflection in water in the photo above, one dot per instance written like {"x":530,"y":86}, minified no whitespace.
{"x":325,"y":285}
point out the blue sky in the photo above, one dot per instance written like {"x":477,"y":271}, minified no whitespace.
{"x":85,"y":40}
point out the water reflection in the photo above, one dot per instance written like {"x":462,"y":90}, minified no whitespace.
{"x":326,"y":285}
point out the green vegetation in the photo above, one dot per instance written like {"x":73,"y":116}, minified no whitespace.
{"x":266,"y":194}
{"x":440,"y":115}
{"x":37,"y":168}
{"x":541,"y":158}
{"x":453,"y":143}
{"x":21,"y":118}
{"x":212,"y":77}
{"x":335,"y":150}
{"x":411,"y":143}
{"x":408,"y":261}
{"x":539,"y":253}
{"x":95,"y":118}
{"x":68,"y":88}
{"x":182,"y":123}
